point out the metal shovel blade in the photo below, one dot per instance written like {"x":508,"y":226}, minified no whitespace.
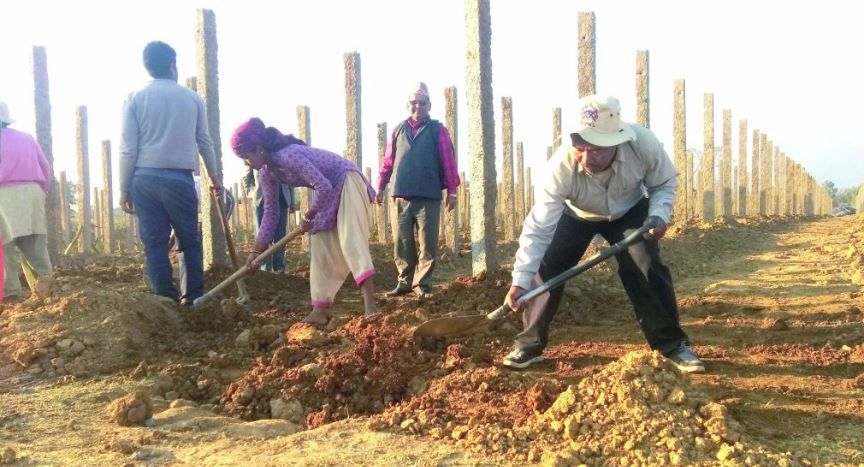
{"x":458,"y":325}
{"x":450,"y":326}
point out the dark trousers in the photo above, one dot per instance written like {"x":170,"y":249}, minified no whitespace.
{"x":161,"y":204}
{"x":415,"y":259}
{"x":646,"y":279}
{"x":276,"y":261}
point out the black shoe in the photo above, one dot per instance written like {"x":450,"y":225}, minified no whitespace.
{"x":686,"y":360}
{"x":522,"y":358}
{"x":398,"y":291}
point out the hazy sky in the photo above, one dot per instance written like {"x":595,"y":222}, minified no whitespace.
{"x":789,"y":68}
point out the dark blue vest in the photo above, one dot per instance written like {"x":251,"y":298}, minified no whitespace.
{"x":417,"y":170}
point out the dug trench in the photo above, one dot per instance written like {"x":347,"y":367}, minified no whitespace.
{"x":774,"y":308}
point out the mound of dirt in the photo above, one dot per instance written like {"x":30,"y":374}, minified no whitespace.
{"x":638,"y":410}
{"x":359,"y":369}
{"x":132,"y":409}
{"x":102,"y":330}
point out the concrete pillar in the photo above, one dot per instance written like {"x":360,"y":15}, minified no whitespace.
{"x":734,"y":189}
{"x":708,"y":208}
{"x":481,"y":135}
{"x":498,"y":209}
{"x":741,"y":207}
{"x":508,"y":203}
{"x":97,"y":218}
{"x":383,"y":231}
{"x":642,"y":97}
{"x":556,"y":128}
{"x":304,"y":132}
{"x":85,"y":242}
{"x":775,"y":166}
{"x":529,"y":191}
{"x":42,"y":102}
{"x":755,"y":176}
{"x":63,"y":210}
{"x":690,"y":183}
{"x":213,"y":239}
{"x":353,"y":135}
{"x":764,"y":175}
{"x":681,"y":210}
{"x":108,"y":200}
{"x":725,"y":204}
{"x":520,"y":185}
{"x":768,"y":157}
{"x":587,"y":54}
{"x":451,"y":119}
{"x":464,"y":202}
{"x":785,"y":191}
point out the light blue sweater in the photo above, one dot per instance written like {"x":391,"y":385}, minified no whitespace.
{"x":164,"y":127}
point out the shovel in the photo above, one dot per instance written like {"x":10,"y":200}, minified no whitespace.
{"x":243,"y":294}
{"x":243,"y":271}
{"x":459,"y":325}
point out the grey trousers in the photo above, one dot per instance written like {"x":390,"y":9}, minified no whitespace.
{"x":34,"y":249}
{"x":415,"y":258}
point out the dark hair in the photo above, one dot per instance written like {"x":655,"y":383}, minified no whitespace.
{"x":158,"y":58}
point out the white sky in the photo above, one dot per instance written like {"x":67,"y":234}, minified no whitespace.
{"x":789,"y":68}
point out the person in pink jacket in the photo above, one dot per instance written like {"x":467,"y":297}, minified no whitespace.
{"x":25,"y":177}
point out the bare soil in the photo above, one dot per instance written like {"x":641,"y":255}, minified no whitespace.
{"x":105,"y":373}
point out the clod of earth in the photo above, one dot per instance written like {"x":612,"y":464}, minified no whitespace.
{"x":132,"y":409}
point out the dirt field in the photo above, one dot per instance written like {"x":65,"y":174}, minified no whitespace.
{"x":105,"y":374}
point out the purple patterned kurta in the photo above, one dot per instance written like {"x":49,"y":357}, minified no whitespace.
{"x":304,"y":166}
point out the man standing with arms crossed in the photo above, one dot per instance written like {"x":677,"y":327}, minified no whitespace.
{"x":421,"y":160}
{"x":164,"y":129}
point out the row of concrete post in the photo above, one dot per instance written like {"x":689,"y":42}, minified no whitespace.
{"x":775,"y":185}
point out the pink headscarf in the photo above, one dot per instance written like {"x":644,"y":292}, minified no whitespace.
{"x":252,"y":134}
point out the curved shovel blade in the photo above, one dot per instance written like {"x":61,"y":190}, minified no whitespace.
{"x":450,"y":326}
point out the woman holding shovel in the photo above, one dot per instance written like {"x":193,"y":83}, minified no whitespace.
{"x":338,"y":220}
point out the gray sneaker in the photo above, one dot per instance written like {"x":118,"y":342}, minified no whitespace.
{"x":686,"y":360}
{"x":522,"y":358}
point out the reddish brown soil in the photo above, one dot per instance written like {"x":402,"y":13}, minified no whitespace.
{"x":774,"y":308}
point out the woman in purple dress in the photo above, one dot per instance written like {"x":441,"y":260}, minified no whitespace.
{"x":338,"y":219}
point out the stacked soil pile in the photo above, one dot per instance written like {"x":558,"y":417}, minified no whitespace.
{"x":638,"y":410}
{"x":98,"y":331}
{"x":317,"y":378}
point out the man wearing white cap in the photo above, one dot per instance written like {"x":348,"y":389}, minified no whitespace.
{"x":25,"y":176}
{"x":595,"y":187}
